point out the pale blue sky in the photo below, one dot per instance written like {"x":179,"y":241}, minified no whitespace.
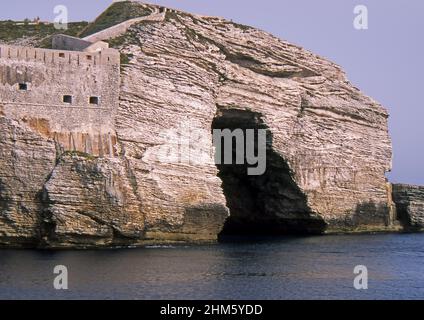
{"x":386,"y":61}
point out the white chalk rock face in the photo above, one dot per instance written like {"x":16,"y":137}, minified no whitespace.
{"x":327,"y":146}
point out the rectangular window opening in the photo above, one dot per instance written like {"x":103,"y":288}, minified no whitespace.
{"x":23,"y":86}
{"x":67,"y":99}
{"x":94,"y":100}
{"x":89,"y":57}
{"x":61,"y":55}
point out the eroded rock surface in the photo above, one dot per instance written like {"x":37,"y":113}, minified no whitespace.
{"x":327,"y":161}
{"x":333,"y":138}
{"x":410,"y":206}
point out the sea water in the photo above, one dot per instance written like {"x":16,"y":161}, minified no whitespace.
{"x":320,"y":267}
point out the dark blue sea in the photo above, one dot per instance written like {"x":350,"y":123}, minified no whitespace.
{"x":286,"y":268}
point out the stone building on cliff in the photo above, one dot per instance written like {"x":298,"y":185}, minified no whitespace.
{"x":72,"y":88}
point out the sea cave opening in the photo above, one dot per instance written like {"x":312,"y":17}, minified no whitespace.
{"x":269,"y":204}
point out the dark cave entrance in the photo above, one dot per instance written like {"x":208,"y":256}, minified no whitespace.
{"x":263,"y":205}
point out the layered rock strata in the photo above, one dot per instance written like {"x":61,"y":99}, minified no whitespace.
{"x":182,"y":76}
{"x":409,"y":201}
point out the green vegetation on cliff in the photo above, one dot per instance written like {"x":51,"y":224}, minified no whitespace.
{"x":27,"y":33}
{"x":115,"y":14}
{"x":38,"y":35}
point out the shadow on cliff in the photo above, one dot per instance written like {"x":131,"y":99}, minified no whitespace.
{"x":265,"y":205}
{"x":370,"y":214}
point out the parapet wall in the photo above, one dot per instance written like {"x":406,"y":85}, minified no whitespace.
{"x":121,"y":28}
{"x":106,"y":57}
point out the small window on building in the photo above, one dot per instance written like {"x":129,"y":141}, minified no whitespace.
{"x":23,"y":86}
{"x":67,"y":99}
{"x":94,"y":100}
{"x":89,"y":57}
{"x":61,"y":55}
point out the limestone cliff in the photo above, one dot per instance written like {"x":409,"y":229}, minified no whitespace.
{"x":410,"y":206}
{"x":183,"y":75}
